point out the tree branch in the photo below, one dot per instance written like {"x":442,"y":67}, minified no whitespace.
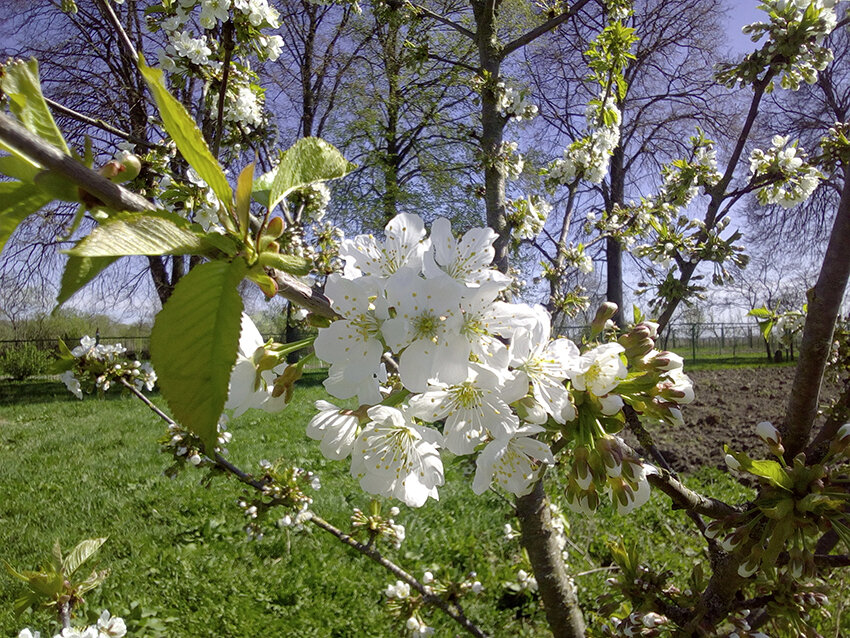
{"x":50,"y":157}
{"x":85,"y":119}
{"x":547,"y":26}
{"x":824,"y":306}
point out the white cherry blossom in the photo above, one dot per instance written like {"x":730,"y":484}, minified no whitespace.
{"x":544,"y":365}
{"x":473,"y":409}
{"x":466,"y":260}
{"x":403,"y":248}
{"x":335,"y":429}
{"x":599,"y":370}
{"x":394,"y":457}
{"x":510,"y":462}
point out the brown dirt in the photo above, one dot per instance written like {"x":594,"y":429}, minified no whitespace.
{"x":728,"y":405}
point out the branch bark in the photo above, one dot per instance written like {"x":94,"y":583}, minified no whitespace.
{"x":556,"y":588}
{"x":823,"y":310}
{"x":50,"y":157}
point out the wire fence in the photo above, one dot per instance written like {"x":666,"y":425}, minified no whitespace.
{"x":696,"y":342}
{"x":714,"y":342}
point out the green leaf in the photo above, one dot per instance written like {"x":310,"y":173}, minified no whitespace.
{"x":21,"y":85}
{"x":771,"y":470}
{"x":78,"y":272}
{"x":18,"y":167}
{"x":760,"y":313}
{"x":57,"y":187}
{"x":309,"y":160}
{"x":17,"y":201}
{"x":182,"y":129}
{"x":287,"y":263}
{"x":842,"y":530}
{"x":194,"y":342}
{"x":140,"y":234}
{"x":14,"y":573}
{"x":80,"y":554}
{"x":243,"y":198}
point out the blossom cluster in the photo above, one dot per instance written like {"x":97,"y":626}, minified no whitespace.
{"x":794,"y":48}
{"x":94,"y":366}
{"x":513,"y":101}
{"x":424,"y":338}
{"x":588,"y":157}
{"x":790,"y":180}
{"x":795,"y":503}
{"x":107,"y":626}
{"x":186,"y":447}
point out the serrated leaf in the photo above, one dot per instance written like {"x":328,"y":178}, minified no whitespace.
{"x":771,"y":470}
{"x":189,"y":140}
{"x":194,"y":342}
{"x":18,"y":200}
{"x":140,"y":234}
{"x":78,"y":272}
{"x":80,"y":554}
{"x":307,"y":161}
{"x":21,"y":85}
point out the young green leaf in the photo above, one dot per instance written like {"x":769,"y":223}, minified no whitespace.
{"x":182,"y":129}
{"x":80,"y":554}
{"x":287,"y":263}
{"x":78,"y":272}
{"x":194,"y":342}
{"x":21,"y":85}
{"x":140,"y":234}
{"x":243,"y":198}
{"x":18,"y":200}
{"x":309,"y":160}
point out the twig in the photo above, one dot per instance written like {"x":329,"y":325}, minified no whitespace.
{"x":123,"y":38}
{"x":85,"y":119}
{"x":452,"y":610}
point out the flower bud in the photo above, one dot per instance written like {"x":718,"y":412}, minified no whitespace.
{"x":603,"y":314}
{"x":667,"y":361}
{"x":768,"y":433}
{"x":731,"y":462}
{"x":530,"y":411}
{"x":274,"y":229}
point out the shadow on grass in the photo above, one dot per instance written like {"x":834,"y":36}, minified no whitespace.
{"x":45,"y":390}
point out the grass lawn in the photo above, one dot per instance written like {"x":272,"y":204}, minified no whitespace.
{"x":181,"y":565}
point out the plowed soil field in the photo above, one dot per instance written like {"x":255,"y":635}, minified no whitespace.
{"x":728,"y":405}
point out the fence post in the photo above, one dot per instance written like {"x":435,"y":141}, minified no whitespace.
{"x":694,"y":341}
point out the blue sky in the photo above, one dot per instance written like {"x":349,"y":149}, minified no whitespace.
{"x":742,"y":13}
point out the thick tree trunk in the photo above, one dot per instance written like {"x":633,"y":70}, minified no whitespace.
{"x":556,"y":587}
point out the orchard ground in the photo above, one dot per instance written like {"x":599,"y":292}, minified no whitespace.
{"x":181,"y":564}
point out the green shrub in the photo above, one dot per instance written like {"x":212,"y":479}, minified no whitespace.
{"x":24,"y":361}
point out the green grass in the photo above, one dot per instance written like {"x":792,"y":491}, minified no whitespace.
{"x":177,"y":551}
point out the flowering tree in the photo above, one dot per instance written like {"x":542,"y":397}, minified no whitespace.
{"x":421,"y":333}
